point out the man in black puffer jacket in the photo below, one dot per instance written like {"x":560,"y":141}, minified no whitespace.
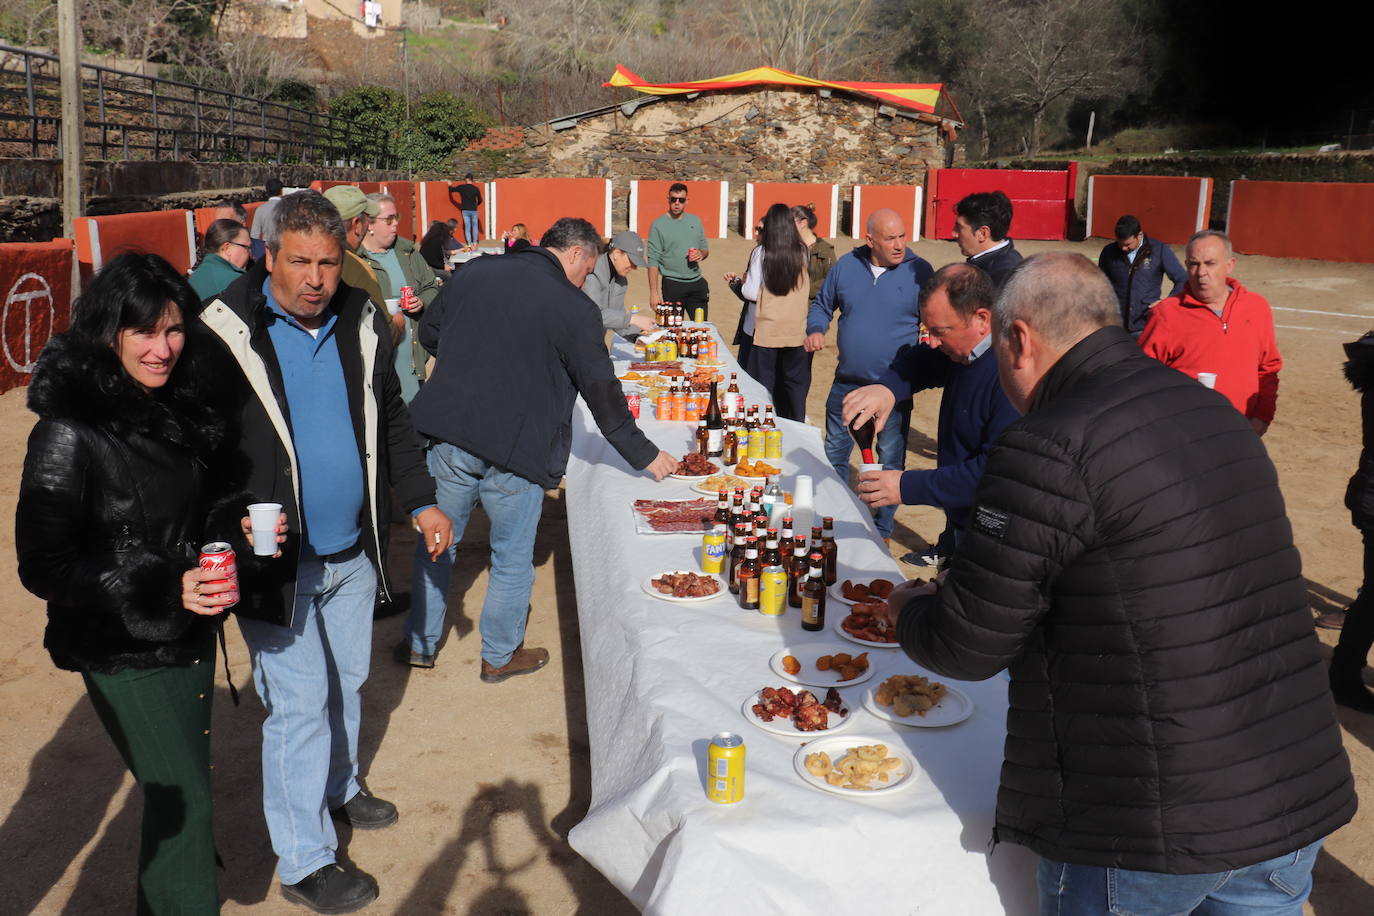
{"x":1171,"y":737}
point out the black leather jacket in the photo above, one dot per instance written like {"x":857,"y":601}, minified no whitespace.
{"x":111,"y":510}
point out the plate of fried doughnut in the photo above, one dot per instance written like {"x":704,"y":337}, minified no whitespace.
{"x":919,"y":700}
{"x":822,"y":665}
{"x":797,"y":714}
{"x":860,"y":766}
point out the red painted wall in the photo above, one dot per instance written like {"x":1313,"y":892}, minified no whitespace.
{"x":821,"y":196}
{"x":539,"y":202}
{"x":1169,"y":208}
{"x":1327,"y":221}
{"x":165,"y":232}
{"x":35,"y":303}
{"x":1042,"y":201}
{"x":649,"y":201}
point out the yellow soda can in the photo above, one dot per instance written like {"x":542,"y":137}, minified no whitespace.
{"x":725,"y":769}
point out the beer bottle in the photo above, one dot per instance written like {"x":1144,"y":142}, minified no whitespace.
{"x":748,"y":575}
{"x":761,"y":528}
{"x":729,"y":448}
{"x":768,"y":421}
{"x":715,"y":426}
{"x":797,"y":568}
{"x":722,"y":516}
{"x":771,"y":555}
{"x":772,"y":578}
{"x":817,"y":542}
{"x":702,"y":444}
{"x":813,"y":596}
{"x":737,"y":556}
{"x":831,"y":551}
{"x":737,"y":512}
{"x":733,"y":392}
{"x":787,"y":544}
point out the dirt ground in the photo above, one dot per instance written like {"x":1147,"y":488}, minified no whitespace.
{"x":489,"y":779}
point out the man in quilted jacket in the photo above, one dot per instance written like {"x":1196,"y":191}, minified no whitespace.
{"x":1172,"y":745}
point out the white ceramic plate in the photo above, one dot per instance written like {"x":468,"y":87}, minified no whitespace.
{"x":694,"y":478}
{"x":838,"y":617}
{"x":649,"y":587}
{"x":837,"y":746}
{"x":954,"y":707}
{"x":700,"y":489}
{"x":786,"y":729}
{"x":836,"y":594}
{"x":809,"y":675}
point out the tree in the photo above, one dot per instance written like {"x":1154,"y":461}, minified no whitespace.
{"x":804,"y":35}
{"x":438,"y":123}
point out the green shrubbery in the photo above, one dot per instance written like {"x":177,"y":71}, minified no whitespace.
{"x":438,"y":124}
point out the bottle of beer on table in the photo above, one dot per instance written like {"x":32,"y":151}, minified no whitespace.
{"x":748,"y":575}
{"x":797,"y":568}
{"x":737,"y":556}
{"x":817,"y":542}
{"x":788,"y":543}
{"x":736,"y":405}
{"x":813,"y":596}
{"x":772,"y":578}
{"x":701,"y":443}
{"x":715,"y":426}
{"x":831,"y":550}
{"x":729,"y":445}
{"x":722,"y":516}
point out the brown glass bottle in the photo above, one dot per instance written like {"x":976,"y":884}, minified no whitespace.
{"x":788,"y":542}
{"x":736,"y":557}
{"x":831,"y":551}
{"x":703,"y":445}
{"x":813,"y":595}
{"x":715,"y":426}
{"x":772,"y":555}
{"x":722,"y":516}
{"x":797,"y":568}
{"x":748,"y":576}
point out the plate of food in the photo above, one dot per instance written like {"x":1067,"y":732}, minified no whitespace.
{"x":857,"y":591}
{"x":694,"y":466}
{"x":861,"y":625}
{"x":756,"y":470}
{"x":684,"y":586}
{"x":715,"y":484}
{"x":918,"y":700}
{"x":796,"y":714}
{"x":859,"y":766}
{"x":821,"y":665}
{"x":674,"y":516}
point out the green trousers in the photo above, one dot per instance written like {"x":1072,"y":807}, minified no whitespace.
{"x":159,"y":719}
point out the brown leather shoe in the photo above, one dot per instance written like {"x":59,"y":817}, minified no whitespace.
{"x":524,"y":661}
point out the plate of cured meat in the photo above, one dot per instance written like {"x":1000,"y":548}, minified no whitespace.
{"x":694,"y":466}
{"x":681,"y":585}
{"x":674,"y":516}
{"x":796,"y":714}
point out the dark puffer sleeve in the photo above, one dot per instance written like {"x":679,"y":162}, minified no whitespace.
{"x":1031,"y":519}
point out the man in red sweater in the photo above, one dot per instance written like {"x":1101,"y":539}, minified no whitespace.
{"x":1216,"y":325}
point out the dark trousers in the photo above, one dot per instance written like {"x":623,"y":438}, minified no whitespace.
{"x":1357,"y":633}
{"x":784,"y":371}
{"x":159,"y":719}
{"x":693,"y":294}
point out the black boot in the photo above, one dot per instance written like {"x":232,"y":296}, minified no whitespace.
{"x":1348,"y":689}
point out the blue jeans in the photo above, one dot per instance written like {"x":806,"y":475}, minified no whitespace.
{"x":471,"y":229}
{"x":891,"y":445}
{"x":513,"y":506}
{"x":1277,"y":887}
{"x":309,"y":677}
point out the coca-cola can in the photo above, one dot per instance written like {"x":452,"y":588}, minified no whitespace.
{"x":632,"y":401}
{"x":407,"y":292}
{"x":219,"y":557}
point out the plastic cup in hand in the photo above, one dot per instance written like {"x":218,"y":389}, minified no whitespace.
{"x":262,"y":517}
{"x":393,"y":307}
{"x":1208,"y":379}
{"x":873,"y":466}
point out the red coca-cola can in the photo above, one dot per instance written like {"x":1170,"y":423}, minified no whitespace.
{"x":219,"y":556}
{"x":632,"y":401}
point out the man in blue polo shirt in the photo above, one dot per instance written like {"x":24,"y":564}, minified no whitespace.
{"x":956,"y":308}
{"x":320,"y":422}
{"x":875,"y":288}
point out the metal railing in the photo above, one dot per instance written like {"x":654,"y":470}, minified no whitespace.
{"x":132,"y":116}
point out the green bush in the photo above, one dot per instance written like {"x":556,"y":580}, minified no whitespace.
{"x":439,"y":123}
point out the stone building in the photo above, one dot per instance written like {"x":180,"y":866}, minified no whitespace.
{"x":764,"y":133}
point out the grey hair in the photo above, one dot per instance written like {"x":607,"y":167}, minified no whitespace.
{"x":305,"y":212}
{"x":380,"y":196}
{"x":1063,"y":296}
{"x":570,"y":232}
{"x":1210,"y":234}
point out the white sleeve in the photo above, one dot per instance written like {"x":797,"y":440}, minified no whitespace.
{"x":753,"y":275}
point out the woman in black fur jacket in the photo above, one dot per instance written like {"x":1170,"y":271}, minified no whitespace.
{"x":1357,"y":633}
{"x":112,"y":509}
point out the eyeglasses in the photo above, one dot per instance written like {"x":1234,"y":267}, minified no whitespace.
{"x":241,"y":245}
{"x":389,"y":220}
{"x":677,"y":200}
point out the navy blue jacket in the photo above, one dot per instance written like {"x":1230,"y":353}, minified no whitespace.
{"x":973,"y":412}
{"x":997,"y":264}
{"x":1137,"y":284}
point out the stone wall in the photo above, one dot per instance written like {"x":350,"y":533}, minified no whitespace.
{"x":766,"y":135}
{"x":30,"y":189}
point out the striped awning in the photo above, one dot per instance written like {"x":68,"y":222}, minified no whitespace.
{"x":921,"y":97}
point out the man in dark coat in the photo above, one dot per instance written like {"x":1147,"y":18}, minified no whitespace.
{"x":515,"y":343}
{"x":1171,"y":737}
{"x":981,"y":224}
{"x":1136,"y":265}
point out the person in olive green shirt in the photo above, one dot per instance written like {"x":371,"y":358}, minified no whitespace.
{"x":224,"y":257}
{"x":677,"y":246}
{"x":397,"y":262}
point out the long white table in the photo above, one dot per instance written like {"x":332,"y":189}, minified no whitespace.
{"x":662,"y":678}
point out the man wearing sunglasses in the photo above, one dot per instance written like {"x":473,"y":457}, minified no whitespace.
{"x":677,"y":246}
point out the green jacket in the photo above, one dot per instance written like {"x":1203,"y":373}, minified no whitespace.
{"x":213,"y":275}
{"x":418,"y":275}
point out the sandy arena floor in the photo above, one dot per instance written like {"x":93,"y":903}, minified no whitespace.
{"x":489,"y":779}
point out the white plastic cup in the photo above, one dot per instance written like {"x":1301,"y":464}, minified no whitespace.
{"x":874,"y":466}
{"x":262,"y":517}
{"x":393,"y":307}
{"x":1208,"y":379}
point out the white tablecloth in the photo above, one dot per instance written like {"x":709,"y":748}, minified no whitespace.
{"x":662,"y":678}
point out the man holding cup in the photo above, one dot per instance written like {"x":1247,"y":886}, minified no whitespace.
{"x":1219,"y":332}
{"x":322,"y":431}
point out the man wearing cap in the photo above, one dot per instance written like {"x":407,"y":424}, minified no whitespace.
{"x":677,"y":246}
{"x":608,"y":280}
{"x":357,"y":213}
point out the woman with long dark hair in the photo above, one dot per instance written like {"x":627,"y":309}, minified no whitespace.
{"x":112,"y":509}
{"x":773,"y":326}
{"x":224,"y":256}
{"x":435,"y":246}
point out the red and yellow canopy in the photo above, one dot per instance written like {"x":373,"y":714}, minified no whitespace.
{"x":914,"y":96}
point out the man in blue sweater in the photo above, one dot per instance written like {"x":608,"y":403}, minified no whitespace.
{"x":1136,"y":265}
{"x":956,"y":306}
{"x":875,"y":288}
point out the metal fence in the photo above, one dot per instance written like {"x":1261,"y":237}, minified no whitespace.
{"x":131,"y":116}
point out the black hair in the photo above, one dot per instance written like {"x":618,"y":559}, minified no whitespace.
{"x":273,"y":186}
{"x":467,"y":177}
{"x":991,"y":209}
{"x":784,"y":254}
{"x":220,"y":233}
{"x":1128,"y":227}
{"x":240,"y":212}
{"x":131,"y":291}
{"x":677,"y":186}
{"x":569,"y":232}
{"x":967,"y":288}
{"x":806,"y":212}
